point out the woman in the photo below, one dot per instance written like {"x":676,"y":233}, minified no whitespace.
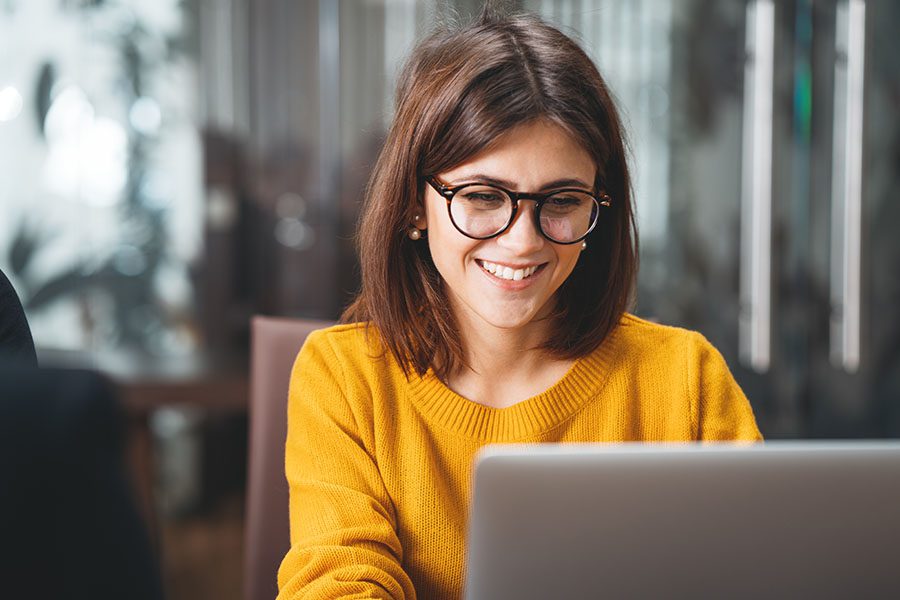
{"x":498,"y":255}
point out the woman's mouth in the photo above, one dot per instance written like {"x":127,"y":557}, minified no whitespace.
{"x":509,"y":273}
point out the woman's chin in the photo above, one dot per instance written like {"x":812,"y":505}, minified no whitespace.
{"x":510,"y":321}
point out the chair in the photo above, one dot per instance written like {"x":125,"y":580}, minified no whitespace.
{"x":274,"y":346}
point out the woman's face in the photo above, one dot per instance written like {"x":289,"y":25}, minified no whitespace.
{"x":530,"y":158}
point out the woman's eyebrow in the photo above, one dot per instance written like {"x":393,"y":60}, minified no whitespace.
{"x":505,"y":183}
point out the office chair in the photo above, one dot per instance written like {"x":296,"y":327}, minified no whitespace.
{"x":274,"y":346}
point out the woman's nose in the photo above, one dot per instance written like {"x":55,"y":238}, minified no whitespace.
{"x":522,"y":236}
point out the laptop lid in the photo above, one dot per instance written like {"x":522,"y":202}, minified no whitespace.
{"x":774,"y":520}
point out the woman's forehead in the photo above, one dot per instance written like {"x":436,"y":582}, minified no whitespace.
{"x":529,"y":156}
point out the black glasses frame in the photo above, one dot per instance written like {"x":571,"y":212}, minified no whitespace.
{"x":448,"y":192}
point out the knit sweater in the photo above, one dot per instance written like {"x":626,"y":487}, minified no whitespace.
{"x":380,"y":467}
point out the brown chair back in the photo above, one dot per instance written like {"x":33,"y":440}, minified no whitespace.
{"x":274,"y":346}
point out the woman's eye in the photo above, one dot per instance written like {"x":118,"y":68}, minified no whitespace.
{"x":483,"y":197}
{"x":561,"y":201}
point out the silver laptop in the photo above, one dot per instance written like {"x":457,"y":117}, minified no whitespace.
{"x":774,"y":520}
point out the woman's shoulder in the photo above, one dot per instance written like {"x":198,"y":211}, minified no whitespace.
{"x":637,"y":332}
{"x":350,"y":357}
{"x":339,"y":331}
{"x":664,"y":350}
{"x":347,"y":343}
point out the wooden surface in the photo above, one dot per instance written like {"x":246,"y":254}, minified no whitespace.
{"x":215,"y":392}
{"x":200,"y":555}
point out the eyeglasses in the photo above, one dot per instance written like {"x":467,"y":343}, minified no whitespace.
{"x":481,"y":211}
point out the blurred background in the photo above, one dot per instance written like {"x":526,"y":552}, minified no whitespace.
{"x":169,"y":168}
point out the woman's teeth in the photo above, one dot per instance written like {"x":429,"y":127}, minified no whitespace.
{"x":507,"y":272}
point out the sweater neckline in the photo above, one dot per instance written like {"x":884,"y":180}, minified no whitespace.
{"x":534,"y":415}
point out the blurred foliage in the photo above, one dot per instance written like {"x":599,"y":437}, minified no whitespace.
{"x":135,"y":303}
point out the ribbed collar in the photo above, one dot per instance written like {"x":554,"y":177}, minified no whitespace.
{"x":581,"y":383}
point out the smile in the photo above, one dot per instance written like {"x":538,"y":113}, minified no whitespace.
{"x":508,"y":273}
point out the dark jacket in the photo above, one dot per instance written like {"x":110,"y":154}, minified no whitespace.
{"x":16,"y":343}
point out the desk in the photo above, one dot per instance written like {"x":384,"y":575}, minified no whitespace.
{"x":210,"y":392}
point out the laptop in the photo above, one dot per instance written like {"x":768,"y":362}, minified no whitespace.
{"x":774,"y":520}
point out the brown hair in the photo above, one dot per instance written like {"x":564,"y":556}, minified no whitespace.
{"x":459,"y":91}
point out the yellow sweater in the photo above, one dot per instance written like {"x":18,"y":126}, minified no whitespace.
{"x":379,"y":467}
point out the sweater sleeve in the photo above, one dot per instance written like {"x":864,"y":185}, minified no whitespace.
{"x":720,"y":408}
{"x":343,"y":526}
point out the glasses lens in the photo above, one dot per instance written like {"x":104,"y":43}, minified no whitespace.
{"x":568,"y":216}
{"x":480,"y":210}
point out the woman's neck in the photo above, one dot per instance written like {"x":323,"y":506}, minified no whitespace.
{"x":505,"y":366}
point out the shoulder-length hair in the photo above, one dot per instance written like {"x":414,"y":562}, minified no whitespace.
{"x":459,"y":91}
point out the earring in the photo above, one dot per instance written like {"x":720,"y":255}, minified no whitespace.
{"x":414,"y":234}
{"x":584,"y":245}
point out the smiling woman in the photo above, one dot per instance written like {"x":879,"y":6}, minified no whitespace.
{"x":485,"y":279}
{"x":518,"y":86}
{"x":498,"y":254}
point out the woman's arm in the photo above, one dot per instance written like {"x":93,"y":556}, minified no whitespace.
{"x":722,"y":411}
{"x":343,"y":526}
